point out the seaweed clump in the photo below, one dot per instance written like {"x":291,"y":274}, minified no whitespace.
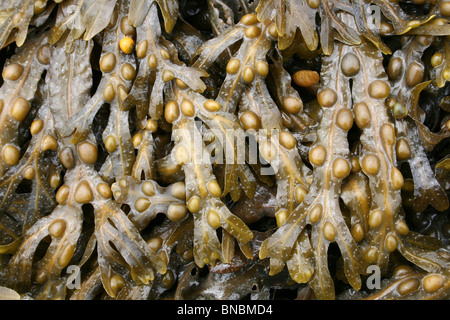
{"x":224,"y":149}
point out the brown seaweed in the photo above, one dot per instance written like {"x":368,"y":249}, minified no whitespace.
{"x":242,"y":150}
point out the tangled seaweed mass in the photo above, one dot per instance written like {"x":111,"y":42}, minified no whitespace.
{"x":224,"y":149}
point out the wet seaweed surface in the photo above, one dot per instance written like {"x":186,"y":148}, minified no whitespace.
{"x":224,"y":149}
